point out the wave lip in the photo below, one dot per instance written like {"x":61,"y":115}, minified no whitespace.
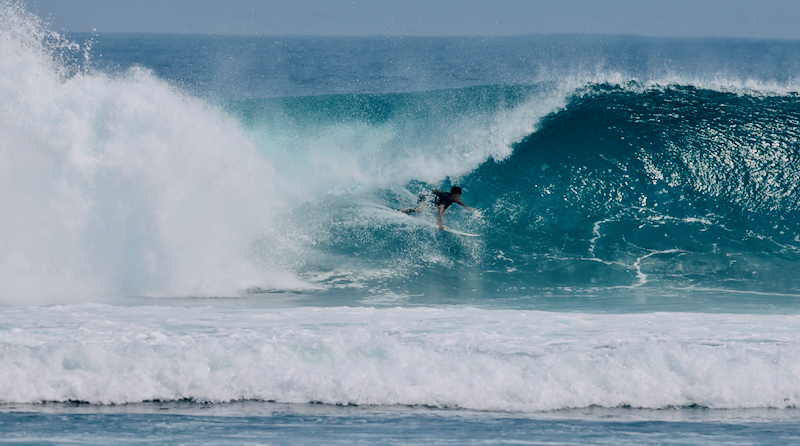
{"x":456,"y":358}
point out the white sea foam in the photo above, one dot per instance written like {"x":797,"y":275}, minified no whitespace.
{"x":119,"y":185}
{"x":466,"y":358}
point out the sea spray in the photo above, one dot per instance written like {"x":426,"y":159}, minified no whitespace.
{"x":120,"y":185}
{"x":360,"y":143}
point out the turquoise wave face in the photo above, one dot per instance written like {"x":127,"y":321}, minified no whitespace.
{"x":674,"y":186}
{"x":623,"y":187}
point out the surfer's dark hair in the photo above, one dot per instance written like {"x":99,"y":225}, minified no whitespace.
{"x":455,"y":190}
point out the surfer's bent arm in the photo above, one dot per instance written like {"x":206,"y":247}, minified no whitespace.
{"x":440,"y":216}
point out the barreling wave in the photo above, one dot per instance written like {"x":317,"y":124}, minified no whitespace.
{"x":695,"y":186}
{"x":621,"y":185}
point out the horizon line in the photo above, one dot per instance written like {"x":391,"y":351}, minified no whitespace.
{"x":423,"y":36}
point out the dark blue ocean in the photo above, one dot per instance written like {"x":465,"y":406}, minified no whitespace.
{"x":200,"y":242}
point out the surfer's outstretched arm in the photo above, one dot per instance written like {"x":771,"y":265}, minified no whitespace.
{"x":439,"y":218}
{"x":464,"y":205}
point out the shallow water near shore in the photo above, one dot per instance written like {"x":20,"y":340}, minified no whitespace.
{"x":269,"y":423}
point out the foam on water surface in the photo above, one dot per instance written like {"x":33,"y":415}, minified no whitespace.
{"x":457,"y":358}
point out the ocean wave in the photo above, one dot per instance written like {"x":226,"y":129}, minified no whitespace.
{"x":123,"y":184}
{"x":618,"y":186}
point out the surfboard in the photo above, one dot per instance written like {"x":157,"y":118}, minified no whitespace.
{"x":424,"y":222}
{"x":465,"y":234}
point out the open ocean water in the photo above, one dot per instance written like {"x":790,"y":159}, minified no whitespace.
{"x":197,"y":242}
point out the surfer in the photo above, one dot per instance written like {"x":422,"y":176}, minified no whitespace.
{"x":442,"y":200}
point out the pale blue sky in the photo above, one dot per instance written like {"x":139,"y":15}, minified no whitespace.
{"x":671,"y":18}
